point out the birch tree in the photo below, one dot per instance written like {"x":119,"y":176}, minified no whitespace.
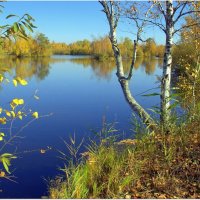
{"x":167,"y":16}
{"x":164,"y":14}
{"x":172,"y":12}
{"x":112,"y":11}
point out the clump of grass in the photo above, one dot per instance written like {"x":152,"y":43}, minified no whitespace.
{"x":155,"y":165}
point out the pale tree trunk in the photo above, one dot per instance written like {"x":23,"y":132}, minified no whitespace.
{"x":135,"y":106}
{"x":167,"y":65}
{"x":124,"y":81}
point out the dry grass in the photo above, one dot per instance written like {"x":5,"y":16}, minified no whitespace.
{"x":154,"y":166}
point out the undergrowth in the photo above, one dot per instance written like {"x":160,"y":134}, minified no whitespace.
{"x":154,"y":165}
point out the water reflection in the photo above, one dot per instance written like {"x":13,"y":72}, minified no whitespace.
{"x":28,"y":67}
{"x":103,"y":69}
{"x":40,"y":67}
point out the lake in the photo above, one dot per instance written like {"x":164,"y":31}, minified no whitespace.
{"x":81,"y":93}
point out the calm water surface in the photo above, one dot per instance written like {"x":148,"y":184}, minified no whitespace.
{"x":80,"y":92}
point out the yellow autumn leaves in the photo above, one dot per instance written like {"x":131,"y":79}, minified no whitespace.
{"x":1,"y":78}
{"x":8,"y":115}
{"x":14,"y":104}
{"x":2,"y":120}
{"x":12,"y":114}
{"x":15,"y":81}
{"x":35,"y":115}
{"x":19,"y":80}
{"x":18,"y":101}
{"x":1,"y":136}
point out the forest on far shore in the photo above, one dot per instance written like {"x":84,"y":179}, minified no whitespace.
{"x":100,"y":48}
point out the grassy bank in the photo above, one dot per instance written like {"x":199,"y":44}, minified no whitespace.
{"x":155,"y":165}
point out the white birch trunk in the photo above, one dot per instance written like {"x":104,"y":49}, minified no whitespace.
{"x":135,"y":106}
{"x":124,"y":82}
{"x":167,"y":64}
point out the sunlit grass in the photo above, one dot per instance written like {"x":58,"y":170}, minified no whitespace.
{"x":156,"y":165}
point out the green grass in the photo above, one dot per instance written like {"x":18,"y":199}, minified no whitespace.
{"x":156,"y":165}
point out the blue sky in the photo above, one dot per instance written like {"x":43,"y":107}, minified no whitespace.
{"x":69,"y":21}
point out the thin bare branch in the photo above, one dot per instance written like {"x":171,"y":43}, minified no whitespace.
{"x":161,"y":26}
{"x":186,"y":26}
{"x":160,"y":7}
{"x":16,"y":135}
{"x":180,"y":13}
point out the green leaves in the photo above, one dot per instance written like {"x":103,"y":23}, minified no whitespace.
{"x":27,"y":25}
{"x":155,"y":110}
{"x":9,"y":16}
{"x":5,"y":159}
{"x":15,"y":27}
{"x":174,"y":105}
{"x":22,"y":29}
{"x":18,"y":28}
{"x":152,"y":94}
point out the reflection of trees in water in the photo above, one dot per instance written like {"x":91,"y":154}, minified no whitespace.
{"x":40,"y":67}
{"x":104,"y":68}
{"x":101,"y":69}
{"x":160,"y":62}
{"x":150,"y":65}
{"x":28,"y":67}
{"x":137,"y":65}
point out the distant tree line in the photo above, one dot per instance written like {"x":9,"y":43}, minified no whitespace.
{"x":100,"y":48}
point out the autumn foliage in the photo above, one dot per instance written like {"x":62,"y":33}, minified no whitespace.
{"x":100,"y":47}
{"x":187,"y":64}
{"x":32,"y":46}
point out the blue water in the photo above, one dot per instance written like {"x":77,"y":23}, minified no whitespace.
{"x":80,"y":92}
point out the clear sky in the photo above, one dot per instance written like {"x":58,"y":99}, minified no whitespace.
{"x":69,"y":21}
